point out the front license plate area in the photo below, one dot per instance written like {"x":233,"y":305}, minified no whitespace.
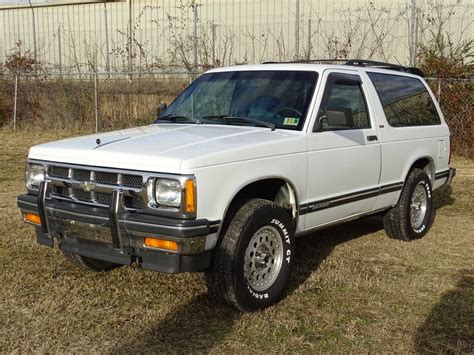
{"x":88,"y":231}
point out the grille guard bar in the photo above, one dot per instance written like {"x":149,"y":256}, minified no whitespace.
{"x":116,"y":207}
{"x":42,"y":195}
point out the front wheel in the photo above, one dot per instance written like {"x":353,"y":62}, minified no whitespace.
{"x":412,"y":217}
{"x":252,"y":262}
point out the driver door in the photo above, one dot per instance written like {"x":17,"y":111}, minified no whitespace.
{"x":343,"y":153}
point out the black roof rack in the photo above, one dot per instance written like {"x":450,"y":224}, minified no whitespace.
{"x":308,"y":61}
{"x":382,"y":65}
{"x":360,"y":63}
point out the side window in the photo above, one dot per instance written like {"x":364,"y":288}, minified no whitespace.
{"x":343,"y":105}
{"x":405,"y":100}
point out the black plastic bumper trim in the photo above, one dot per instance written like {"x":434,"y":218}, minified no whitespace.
{"x":446,"y":174}
{"x":92,"y":251}
{"x":173,"y":263}
{"x":442,"y":174}
{"x":43,"y":239}
{"x":148,"y":259}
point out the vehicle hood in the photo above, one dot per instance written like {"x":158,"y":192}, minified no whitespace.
{"x":170,"y":147}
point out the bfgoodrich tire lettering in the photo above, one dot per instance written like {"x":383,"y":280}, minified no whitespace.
{"x":412,"y":217}
{"x":229,"y":279}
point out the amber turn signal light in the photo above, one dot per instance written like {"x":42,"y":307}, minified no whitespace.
{"x":32,"y":218}
{"x":190,"y":194}
{"x":161,"y":243}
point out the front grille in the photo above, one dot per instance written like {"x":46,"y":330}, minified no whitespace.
{"x":104,"y":177}
{"x":132,"y":180}
{"x":59,"y":171}
{"x":107,"y":179}
{"x":60,"y":191}
{"x":81,"y":175}
{"x":82,"y":195}
{"x":135,"y":202}
{"x":103,"y":198}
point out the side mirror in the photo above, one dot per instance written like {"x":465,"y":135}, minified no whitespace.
{"x":161,"y":109}
{"x":319,"y":125}
{"x":335,"y":118}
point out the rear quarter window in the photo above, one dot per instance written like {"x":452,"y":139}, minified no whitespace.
{"x":405,"y":100}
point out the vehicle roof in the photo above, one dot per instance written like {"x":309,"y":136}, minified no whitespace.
{"x":310,"y":67}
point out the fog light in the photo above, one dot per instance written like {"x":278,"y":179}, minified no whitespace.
{"x":161,"y":244}
{"x":32,"y":218}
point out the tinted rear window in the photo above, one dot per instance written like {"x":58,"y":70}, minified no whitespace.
{"x":405,"y":100}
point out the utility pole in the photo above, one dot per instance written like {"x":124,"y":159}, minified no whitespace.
{"x":413,"y":34}
{"x":195,"y":37}
{"x":60,"y":61}
{"x":297,"y":30}
{"x":96,"y":102}
{"x":308,"y":54}
{"x":213,"y":33}
{"x":107,"y":58}
{"x":15,"y":101}
{"x":33,"y":22}
{"x":130,"y":39}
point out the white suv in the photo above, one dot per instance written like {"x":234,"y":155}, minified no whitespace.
{"x":243,"y":161}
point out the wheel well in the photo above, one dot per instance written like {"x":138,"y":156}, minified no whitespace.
{"x":425,"y":164}
{"x":273,"y":189}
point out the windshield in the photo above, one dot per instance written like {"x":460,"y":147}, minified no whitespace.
{"x":256,"y":98}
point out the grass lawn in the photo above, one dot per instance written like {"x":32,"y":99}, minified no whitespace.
{"x":352,"y":289}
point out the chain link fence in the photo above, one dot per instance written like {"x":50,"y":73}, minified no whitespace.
{"x":88,"y":102}
{"x":132,"y":35}
{"x":101,"y":101}
{"x":456,"y":98}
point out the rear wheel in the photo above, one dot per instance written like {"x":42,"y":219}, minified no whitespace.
{"x":412,"y":217}
{"x":252,"y":262}
{"x":89,"y":264}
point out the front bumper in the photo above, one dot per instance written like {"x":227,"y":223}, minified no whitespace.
{"x":116,"y":235}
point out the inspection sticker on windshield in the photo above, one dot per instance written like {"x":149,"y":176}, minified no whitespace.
{"x":291,"y":121}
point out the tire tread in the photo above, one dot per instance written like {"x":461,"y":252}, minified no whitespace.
{"x":395,"y":223}
{"x":219,"y":278}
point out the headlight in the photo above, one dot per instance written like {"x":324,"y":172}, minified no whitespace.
{"x":168,"y":192}
{"x":34,"y":175}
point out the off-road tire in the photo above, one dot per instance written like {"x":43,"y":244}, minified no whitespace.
{"x":89,"y":264}
{"x":397,"y":220}
{"x":226,"y":279}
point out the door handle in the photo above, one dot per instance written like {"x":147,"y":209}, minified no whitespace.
{"x":372,"y":138}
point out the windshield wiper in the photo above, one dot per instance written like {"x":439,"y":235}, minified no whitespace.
{"x":175,"y":118}
{"x":237,"y":118}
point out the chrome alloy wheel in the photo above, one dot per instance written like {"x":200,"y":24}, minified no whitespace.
{"x":419,"y":202}
{"x":263,"y":258}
